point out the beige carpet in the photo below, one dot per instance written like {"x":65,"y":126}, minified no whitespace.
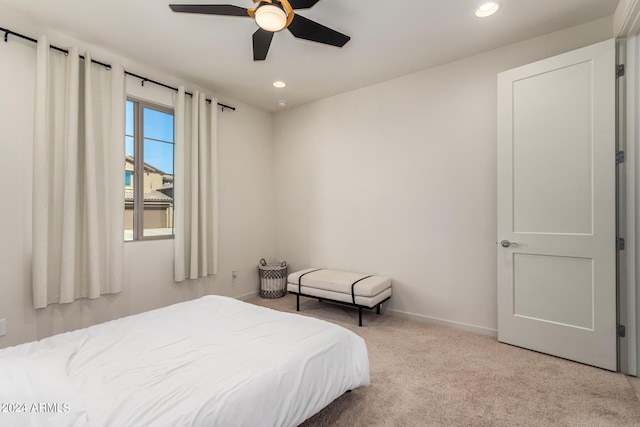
{"x":428,"y":375}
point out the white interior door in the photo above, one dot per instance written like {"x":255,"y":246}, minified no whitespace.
{"x":556,"y":205}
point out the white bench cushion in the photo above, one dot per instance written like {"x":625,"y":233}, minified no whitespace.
{"x":339,"y":282}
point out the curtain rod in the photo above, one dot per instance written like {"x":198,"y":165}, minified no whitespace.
{"x":107,"y":66}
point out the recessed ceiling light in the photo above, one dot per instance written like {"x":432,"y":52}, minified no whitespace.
{"x":282,"y":103}
{"x":279,"y":84}
{"x":487,"y":9}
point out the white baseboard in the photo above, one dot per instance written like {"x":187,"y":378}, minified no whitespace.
{"x":448,"y":323}
{"x":420,"y":318}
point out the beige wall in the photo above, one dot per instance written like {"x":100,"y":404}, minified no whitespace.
{"x":399,"y":179}
{"x":152,"y":181}
{"x":246,"y":188}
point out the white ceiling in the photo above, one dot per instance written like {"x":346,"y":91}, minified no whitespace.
{"x":388,"y":39}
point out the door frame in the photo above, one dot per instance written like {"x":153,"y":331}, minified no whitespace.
{"x":626,"y":21}
{"x":628,"y":51}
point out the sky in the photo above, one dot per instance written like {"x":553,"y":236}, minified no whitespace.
{"x":158,"y":132}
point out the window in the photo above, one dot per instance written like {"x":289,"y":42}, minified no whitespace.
{"x":149,"y":164}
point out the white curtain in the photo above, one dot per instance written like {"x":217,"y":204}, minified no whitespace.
{"x":78,"y":178}
{"x":196,"y":193}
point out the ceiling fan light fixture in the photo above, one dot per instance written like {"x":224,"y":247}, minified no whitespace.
{"x":487,"y":9}
{"x":271,"y":17}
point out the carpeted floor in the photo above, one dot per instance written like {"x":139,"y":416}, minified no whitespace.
{"x":429,"y":375}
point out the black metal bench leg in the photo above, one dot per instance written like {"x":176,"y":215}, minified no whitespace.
{"x":297,"y":302}
{"x":359,"y":316}
{"x":378,"y":310}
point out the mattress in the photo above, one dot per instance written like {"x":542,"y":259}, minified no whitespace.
{"x":214,"y":361}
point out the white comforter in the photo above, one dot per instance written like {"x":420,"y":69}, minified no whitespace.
{"x":214,"y":361}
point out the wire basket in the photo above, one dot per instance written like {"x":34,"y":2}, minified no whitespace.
{"x":273,"y":278}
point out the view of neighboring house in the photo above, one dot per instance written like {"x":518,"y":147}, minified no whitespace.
{"x":158,"y":198}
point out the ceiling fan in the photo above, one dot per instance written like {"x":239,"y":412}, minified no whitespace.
{"x":272,"y":16}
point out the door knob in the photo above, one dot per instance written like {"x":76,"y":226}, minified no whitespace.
{"x":506,"y":243}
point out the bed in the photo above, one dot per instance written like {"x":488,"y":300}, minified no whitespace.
{"x":214,"y":361}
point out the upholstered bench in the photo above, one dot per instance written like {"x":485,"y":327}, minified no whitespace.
{"x":352,"y":289}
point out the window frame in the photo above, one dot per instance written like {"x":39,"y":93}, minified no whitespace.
{"x":138,"y":167}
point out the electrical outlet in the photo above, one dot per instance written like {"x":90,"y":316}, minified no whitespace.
{"x":3,"y":327}
{"x":234,"y":274}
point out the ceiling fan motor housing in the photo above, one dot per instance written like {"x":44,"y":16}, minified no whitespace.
{"x":271,"y":16}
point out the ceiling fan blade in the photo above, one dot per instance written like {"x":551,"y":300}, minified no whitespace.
{"x":302,"y":4}
{"x":261,"y":42}
{"x":307,"y":29}
{"x":211,"y":9}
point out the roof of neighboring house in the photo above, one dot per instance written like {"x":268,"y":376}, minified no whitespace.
{"x":149,"y":168}
{"x":151,"y":196}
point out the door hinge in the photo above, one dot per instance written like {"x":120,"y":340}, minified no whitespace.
{"x":620,"y":157}
{"x":620,"y":244}
{"x":619,"y":70}
{"x":621,"y":330}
